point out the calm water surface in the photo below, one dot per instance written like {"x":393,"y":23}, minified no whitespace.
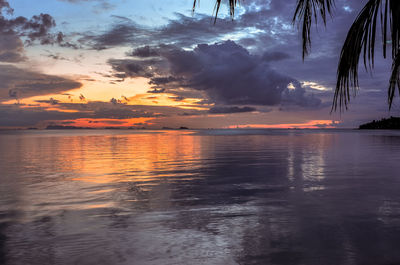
{"x":200,"y":197}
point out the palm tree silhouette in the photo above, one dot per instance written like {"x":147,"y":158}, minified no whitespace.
{"x":360,"y":41}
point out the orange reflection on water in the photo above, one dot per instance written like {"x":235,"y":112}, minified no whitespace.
{"x":89,"y":169}
{"x":127,"y":157}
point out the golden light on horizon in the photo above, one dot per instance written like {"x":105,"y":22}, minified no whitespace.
{"x":313,"y":124}
{"x":100,"y":123}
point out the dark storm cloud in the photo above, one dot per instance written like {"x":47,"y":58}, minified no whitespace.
{"x":226,"y":72}
{"x":123,"y":32}
{"x":182,"y":31}
{"x":145,"y":51}
{"x":132,"y":68}
{"x":20,"y":83}
{"x":163,"y":80}
{"x":186,"y":31}
{"x":227,"y":110}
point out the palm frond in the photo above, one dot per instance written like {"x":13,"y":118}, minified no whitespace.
{"x":232,"y":6}
{"x":394,"y":80}
{"x":306,"y":11}
{"x":360,"y":41}
{"x":394,"y":8}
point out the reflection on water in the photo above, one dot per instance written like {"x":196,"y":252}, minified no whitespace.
{"x":199,"y":197}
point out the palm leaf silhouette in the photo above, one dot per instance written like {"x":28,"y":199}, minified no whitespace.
{"x":232,"y":5}
{"x":360,"y":41}
{"x":306,"y":11}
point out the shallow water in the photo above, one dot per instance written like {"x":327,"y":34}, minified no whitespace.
{"x":200,"y":197}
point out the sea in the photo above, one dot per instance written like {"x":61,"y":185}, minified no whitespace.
{"x":242,"y":196}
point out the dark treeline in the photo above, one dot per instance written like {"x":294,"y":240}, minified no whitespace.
{"x":385,"y":124}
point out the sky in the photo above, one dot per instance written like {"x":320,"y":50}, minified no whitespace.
{"x":155,"y":64}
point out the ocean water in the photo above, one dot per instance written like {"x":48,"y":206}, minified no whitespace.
{"x":200,"y":197}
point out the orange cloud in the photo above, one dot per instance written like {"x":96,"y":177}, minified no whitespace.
{"x":166,"y":99}
{"x":101,"y":123}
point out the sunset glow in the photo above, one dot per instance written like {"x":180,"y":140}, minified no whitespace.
{"x":315,"y":124}
{"x":99,"y":64}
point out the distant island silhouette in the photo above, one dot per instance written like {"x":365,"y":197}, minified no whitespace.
{"x":392,"y":123}
{"x":170,"y":128}
{"x":61,"y":127}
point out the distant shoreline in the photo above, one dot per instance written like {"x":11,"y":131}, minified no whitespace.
{"x":392,"y":123}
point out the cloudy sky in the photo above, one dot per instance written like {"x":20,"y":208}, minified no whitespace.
{"x":153,"y":64}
